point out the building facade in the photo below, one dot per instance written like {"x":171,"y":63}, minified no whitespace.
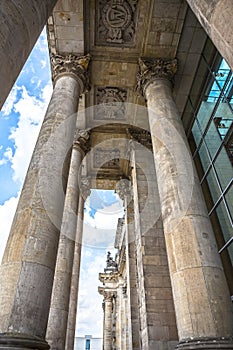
{"x":156,"y":82}
{"x":88,"y":343}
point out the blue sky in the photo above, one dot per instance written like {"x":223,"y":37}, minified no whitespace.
{"x":20,"y":121}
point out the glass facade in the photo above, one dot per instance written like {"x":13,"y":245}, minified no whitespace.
{"x":208,"y":120}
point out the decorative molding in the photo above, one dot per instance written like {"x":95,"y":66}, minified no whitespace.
{"x":108,"y":296}
{"x":111,"y":101}
{"x":82,"y":140}
{"x":108,"y":277}
{"x":70,"y":64}
{"x":141,"y":136}
{"x":106,"y":158}
{"x":115,"y":22}
{"x":150,"y":69}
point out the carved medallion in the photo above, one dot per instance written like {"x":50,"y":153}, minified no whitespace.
{"x":106,"y":158}
{"x":112,"y":101}
{"x":115,"y":22}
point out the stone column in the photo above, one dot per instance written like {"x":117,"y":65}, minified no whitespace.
{"x":107,"y":342}
{"x":134,"y":325}
{"x":21,"y":25}
{"x":59,"y":307}
{"x":71,"y":323}
{"x":27,"y":270}
{"x":201,"y":296}
{"x":215,"y":16}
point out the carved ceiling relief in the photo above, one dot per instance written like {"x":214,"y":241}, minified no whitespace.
{"x":106,"y":158}
{"x":112,"y":101}
{"x":115,"y":22}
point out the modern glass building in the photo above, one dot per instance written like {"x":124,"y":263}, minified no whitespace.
{"x":208,"y":120}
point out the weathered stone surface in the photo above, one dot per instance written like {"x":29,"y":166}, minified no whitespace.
{"x":35,"y":244}
{"x":186,"y":229}
{"x":216,"y":25}
{"x":21,"y":25}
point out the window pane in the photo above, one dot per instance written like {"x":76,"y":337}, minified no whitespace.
{"x":223,"y":168}
{"x":205,"y":160}
{"x":205,"y":113}
{"x":196,"y":133}
{"x":223,"y":119}
{"x":229,"y":201}
{"x":224,"y":221}
{"x":213,"y":139}
{"x":213,"y":186}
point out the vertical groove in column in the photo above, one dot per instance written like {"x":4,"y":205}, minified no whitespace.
{"x":59,"y":308}
{"x":27,"y":269}
{"x":201,"y":297}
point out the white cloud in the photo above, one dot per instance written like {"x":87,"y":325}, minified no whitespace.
{"x":42,"y":43}
{"x":31,"y":113}
{"x":7,"y":156}
{"x":90,"y":312}
{"x":7,"y":211}
{"x":9,"y":104}
{"x":101,"y":229}
{"x":43,"y":64}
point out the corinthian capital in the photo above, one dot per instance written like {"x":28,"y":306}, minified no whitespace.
{"x":82,"y":140}
{"x":150,"y":69}
{"x":70,"y":64}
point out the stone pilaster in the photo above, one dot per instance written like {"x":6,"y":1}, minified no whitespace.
{"x":21,"y":25}
{"x":134,"y":324}
{"x":201,"y":297}
{"x":59,"y":309}
{"x":153,"y":286}
{"x":28,"y":265}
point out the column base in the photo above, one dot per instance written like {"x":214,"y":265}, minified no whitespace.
{"x":206,"y":343}
{"x":11,"y":341}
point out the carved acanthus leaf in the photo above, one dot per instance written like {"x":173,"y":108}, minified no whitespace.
{"x":150,"y":69}
{"x":82,"y":139}
{"x":72,"y":64}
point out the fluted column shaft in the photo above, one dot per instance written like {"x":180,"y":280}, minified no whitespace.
{"x":59,"y":308}
{"x":201,"y":296}
{"x":108,"y":323}
{"x":71,"y":323}
{"x":21,"y":25}
{"x":27,"y":270}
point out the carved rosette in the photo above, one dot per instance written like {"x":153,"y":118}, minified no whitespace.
{"x":73,"y":65}
{"x":82,"y":140}
{"x":151,"y":69}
